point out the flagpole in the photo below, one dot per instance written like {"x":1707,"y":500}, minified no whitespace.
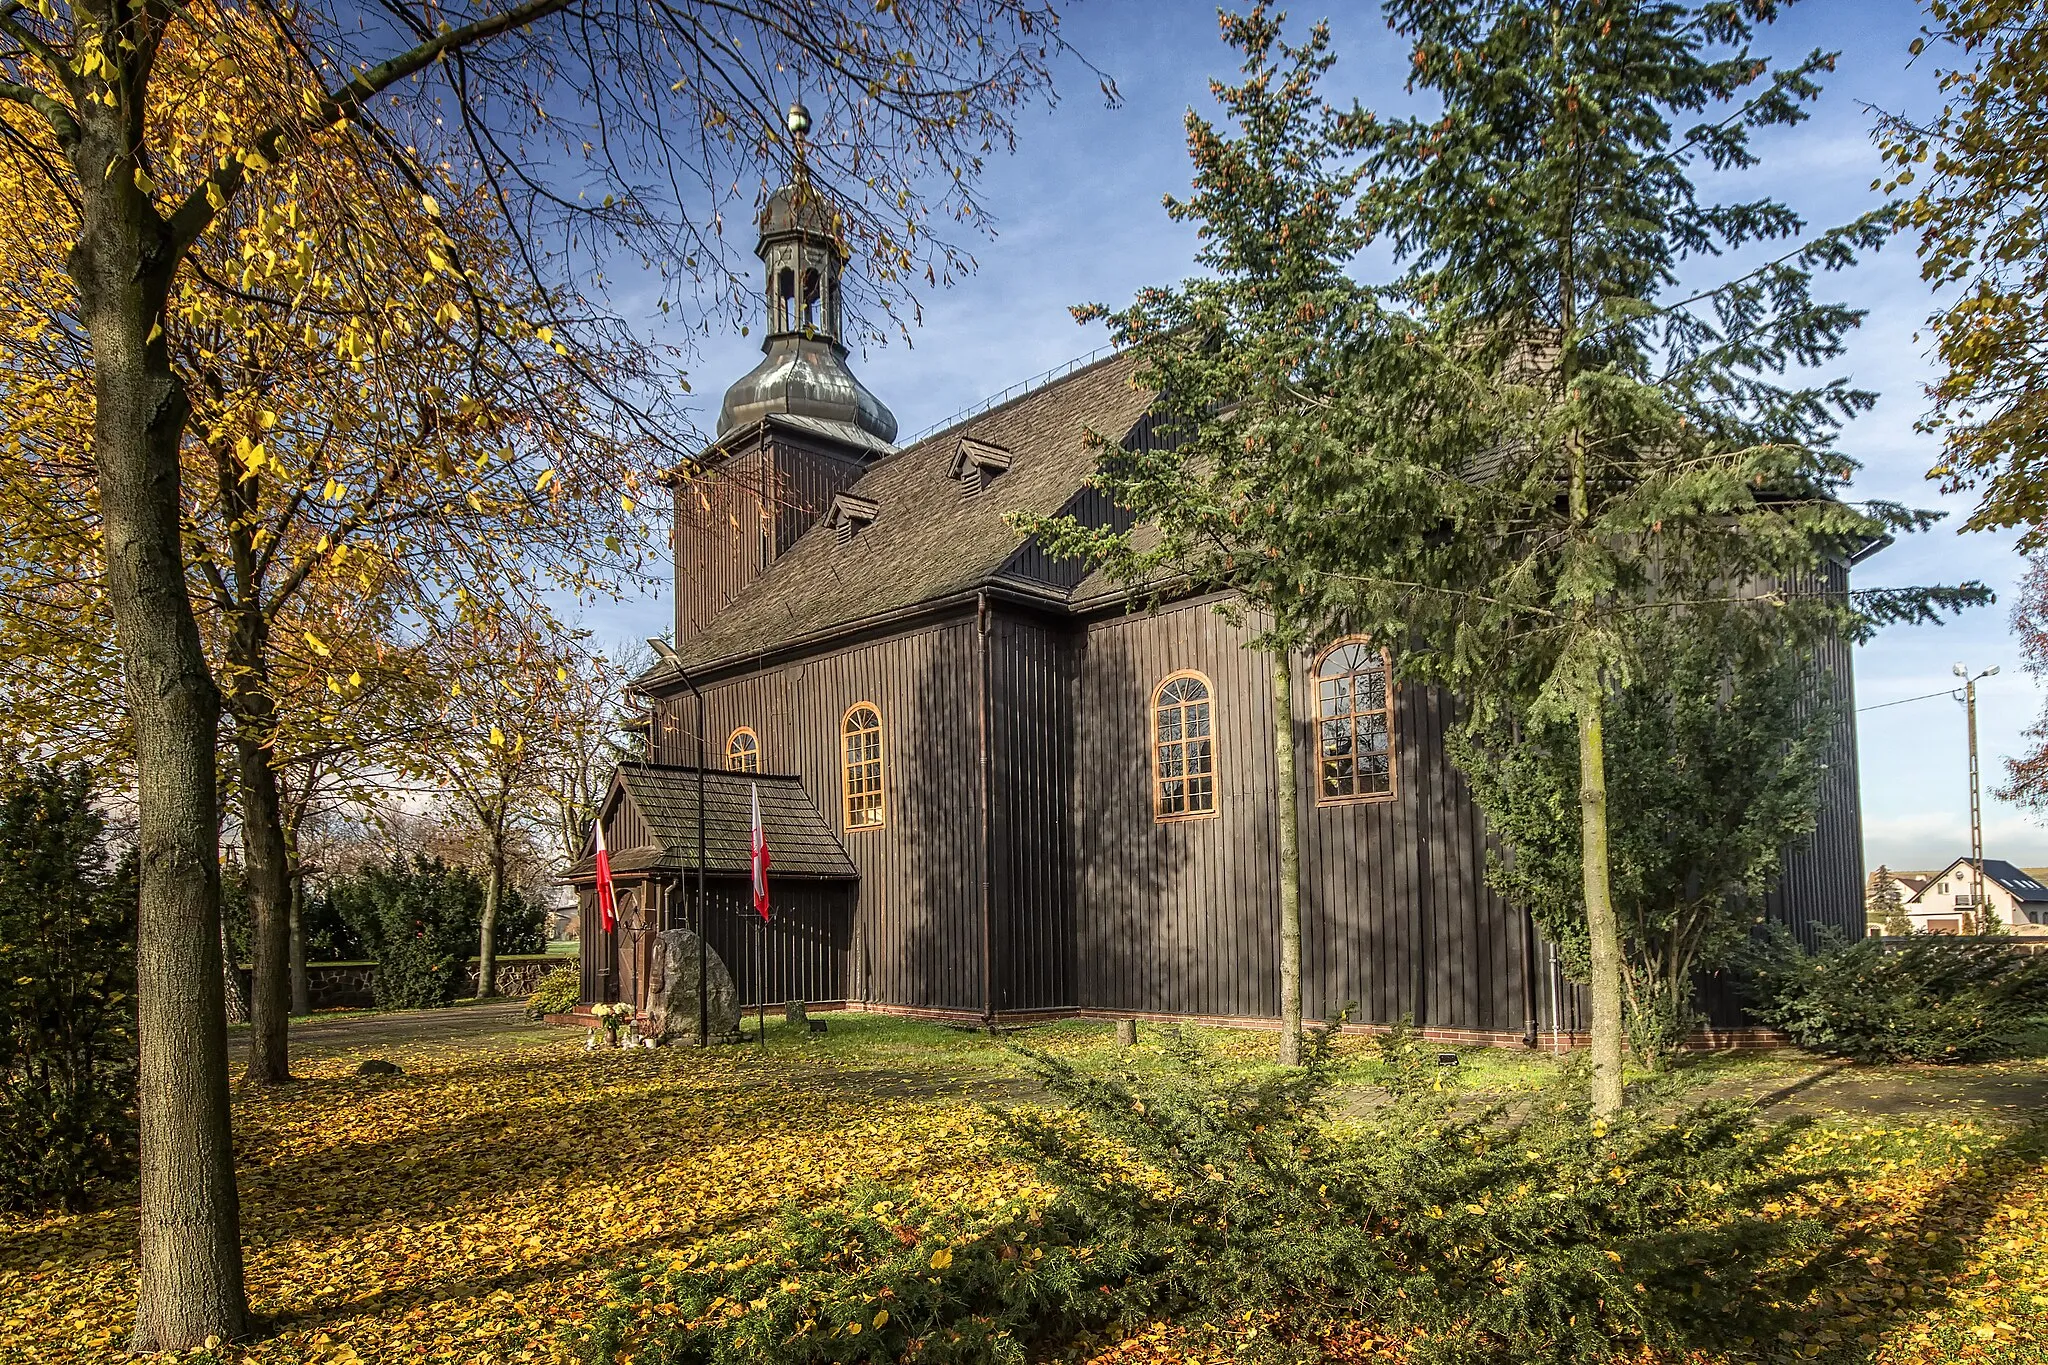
{"x":757,"y":964}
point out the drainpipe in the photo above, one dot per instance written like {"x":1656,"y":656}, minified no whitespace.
{"x":988,"y":979}
{"x":1419,"y":975}
{"x":1556,"y":1020}
{"x":703,"y":906}
{"x":1529,"y":978}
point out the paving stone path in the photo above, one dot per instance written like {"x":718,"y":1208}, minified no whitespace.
{"x":504,"y":1020}
{"x":2010,"y":1091}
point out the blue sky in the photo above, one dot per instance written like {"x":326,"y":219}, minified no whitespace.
{"x":1078,"y":219}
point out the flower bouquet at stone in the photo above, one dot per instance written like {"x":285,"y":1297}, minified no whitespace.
{"x":614,"y":1017}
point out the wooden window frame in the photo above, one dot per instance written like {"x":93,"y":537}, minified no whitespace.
{"x":1152,"y":743}
{"x":1315,"y":678}
{"x":733,"y":739}
{"x":881,"y":764}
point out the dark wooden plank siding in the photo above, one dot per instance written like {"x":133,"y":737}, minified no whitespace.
{"x":1090,"y":508}
{"x":799,"y":954}
{"x":1395,"y":900}
{"x":1822,"y":885}
{"x":1172,"y":917}
{"x":625,"y":828}
{"x":808,"y":477}
{"x":721,"y":538}
{"x":1182,"y":918}
{"x":1031,"y":732}
{"x":917,"y":930}
{"x":731,"y":524}
{"x":1095,"y":904}
{"x":596,"y":952}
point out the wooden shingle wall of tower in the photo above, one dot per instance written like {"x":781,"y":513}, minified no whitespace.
{"x":733,"y":522}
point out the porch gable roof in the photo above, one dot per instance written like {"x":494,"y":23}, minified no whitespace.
{"x":800,"y":843}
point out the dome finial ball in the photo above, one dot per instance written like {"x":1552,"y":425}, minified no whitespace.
{"x":799,"y":119}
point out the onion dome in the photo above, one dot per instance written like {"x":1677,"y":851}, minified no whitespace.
{"x":803,"y":370}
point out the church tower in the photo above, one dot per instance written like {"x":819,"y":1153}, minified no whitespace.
{"x":795,"y":431}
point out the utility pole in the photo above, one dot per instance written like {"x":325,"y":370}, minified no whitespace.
{"x":1969,"y":700}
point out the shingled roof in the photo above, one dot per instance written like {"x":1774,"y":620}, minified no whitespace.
{"x":800,"y":843}
{"x":927,"y":541}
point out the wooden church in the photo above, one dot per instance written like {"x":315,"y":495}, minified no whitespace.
{"x":995,"y":791}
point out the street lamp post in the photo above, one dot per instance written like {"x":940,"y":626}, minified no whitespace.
{"x":667,"y":654}
{"x":1969,"y":700}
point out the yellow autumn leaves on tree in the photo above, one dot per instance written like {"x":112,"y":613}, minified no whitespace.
{"x":382,"y":413}
{"x":387,"y":447}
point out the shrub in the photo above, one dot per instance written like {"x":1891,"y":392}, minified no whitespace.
{"x":557,"y":992}
{"x":422,"y":922}
{"x":234,"y":913}
{"x":330,"y":937}
{"x":1932,"y":999}
{"x":881,"y":1276}
{"x":1483,"y":1235}
{"x":424,"y":933}
{"x":67,"y":982}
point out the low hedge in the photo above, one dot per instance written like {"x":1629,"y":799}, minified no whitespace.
{"x":1931,"y":998}
{"x":1197,"y":1195}
{"x":556,"y":993}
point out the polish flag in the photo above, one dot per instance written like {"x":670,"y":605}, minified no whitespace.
{"x":760,"y":859}
{"x":607,"y":897}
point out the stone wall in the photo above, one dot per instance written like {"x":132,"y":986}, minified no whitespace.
{"x":353,"y":985}
{"x":517,"y":976}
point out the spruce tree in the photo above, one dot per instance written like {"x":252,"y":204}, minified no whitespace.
{"x":1542,"y":428}
{"x":1275,"y":311}
{"x":1887,"y":903}
{"x":67,"y":992}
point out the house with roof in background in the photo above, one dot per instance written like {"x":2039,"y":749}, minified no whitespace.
{"x":1946,"y":902}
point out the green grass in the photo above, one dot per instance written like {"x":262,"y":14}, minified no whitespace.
{"x":921,"y":1048}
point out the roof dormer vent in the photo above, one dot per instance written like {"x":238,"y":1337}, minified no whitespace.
{"x":976,"y":465}
{"x":850,"y":516}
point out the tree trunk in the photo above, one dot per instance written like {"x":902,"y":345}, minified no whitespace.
{"x":1290,"y":860}
{"x":302,"y":991}
{"x":1602,"y":931}
{"x":295,"y":866}
{"x":266,"y":856}
{"x":189,"y":1266}
{"x":267,"y":879}
{"x":234,"y":1006}
{"x":487,"y":948}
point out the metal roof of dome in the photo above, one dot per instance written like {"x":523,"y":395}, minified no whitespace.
{"x":798,"y":208}
{"x":805,"y":377}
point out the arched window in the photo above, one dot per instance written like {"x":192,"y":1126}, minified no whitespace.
{"x":861,"y":733}
{"x":1354,"y":724}
{"x":1183,"y":749}
{"x":785,"y":300}
{"x":743,"y":751}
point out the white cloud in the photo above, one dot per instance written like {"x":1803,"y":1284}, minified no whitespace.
{"x":1933,"y":841}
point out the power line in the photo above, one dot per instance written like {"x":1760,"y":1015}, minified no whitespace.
{"x":1945,"y":692}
